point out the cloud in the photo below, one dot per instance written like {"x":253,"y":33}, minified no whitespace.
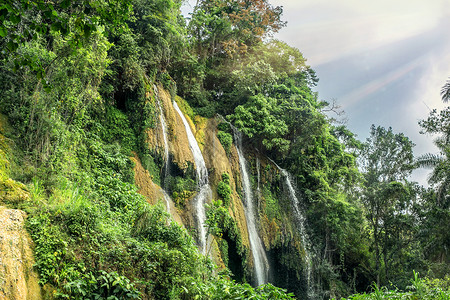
{"x":377,"y":84}
{"x":385,"y":61}
{"x":327,"y":30}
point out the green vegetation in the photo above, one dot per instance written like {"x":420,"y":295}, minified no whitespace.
{"x":224,"y":134}
{"x":419,"y":289}
{"x":76,"y":86}
{"x":226,"y":233}
{"x":224,"y":189}
{"x":226,"y":140}
{"x":182,"y":190}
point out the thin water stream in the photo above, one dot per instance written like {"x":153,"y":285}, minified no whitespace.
{"x":301,"y":223}
{"x":261,"y":263}
{"x":162,"y":120}
{"x":204,"y":190}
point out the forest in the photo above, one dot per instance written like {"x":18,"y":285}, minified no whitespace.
{"x":122,"y":201}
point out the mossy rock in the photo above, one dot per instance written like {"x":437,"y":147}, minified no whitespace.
{"x":12,"y":191}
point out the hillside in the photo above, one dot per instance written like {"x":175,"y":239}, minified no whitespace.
{"x":146,"y":157}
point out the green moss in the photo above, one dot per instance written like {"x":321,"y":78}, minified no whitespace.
{"x":272,"y":207}
{"x":185,"y":107}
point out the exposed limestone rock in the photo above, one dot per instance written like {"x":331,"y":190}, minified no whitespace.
{"x":17,"y":279}
{"x":218,"y":163}
{"x":178,"y":141}
{"x":150,"y":190}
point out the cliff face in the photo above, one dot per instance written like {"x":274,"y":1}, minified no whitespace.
{"x":219,"y":163}
{"x":175,"y":187}
{"x":274,"y":222}
{"x":18,"y":280}
{"x":176,"y":133}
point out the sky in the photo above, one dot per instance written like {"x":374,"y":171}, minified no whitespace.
{"x":383,"y":62}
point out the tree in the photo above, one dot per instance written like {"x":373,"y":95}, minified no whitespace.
{"x":229,"y":27}
{"x":445,"y":92}
{"x":386,"y":161}
{"x":160,"y":32}
{"x":438,"y":123}
{"x":259,"y":119}
{"x":437,"y":202}
{"x":24,"y":20}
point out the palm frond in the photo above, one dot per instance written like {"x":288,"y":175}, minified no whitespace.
{"x":429,"y":160}
{"x":445,"y":92}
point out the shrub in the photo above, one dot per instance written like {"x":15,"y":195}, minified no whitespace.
{"x":224,"y":189}
{"x":225,"y":127}
{"x":226,"y":140}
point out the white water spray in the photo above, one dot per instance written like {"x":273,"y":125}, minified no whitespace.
{"x":260,"y":261}
{"x":204,"y":190}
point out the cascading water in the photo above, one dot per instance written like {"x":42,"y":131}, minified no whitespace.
{"x":301,"y":221}
{"x":258,"y":172}
{"x":260,"y":261}
{"x":204,"y":190}
{"x":162,"y":120}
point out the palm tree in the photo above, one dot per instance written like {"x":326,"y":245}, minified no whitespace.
{"x":445,"y":92}
{"x":440,"y":163}
{"x":440,"y":176}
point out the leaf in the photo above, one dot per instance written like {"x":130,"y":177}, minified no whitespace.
{"x":15,"y":19}
{"x":3,"y":31}
{"x":12,"y":46}
{"x":56,"y":26}
{"x":3,"y":13}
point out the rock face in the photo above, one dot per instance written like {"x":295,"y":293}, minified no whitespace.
{"x":273,"y":220}
{"x":17,"y":279}
{"x":146,"y":187}
{"x":216,"y":160}
{"x":218,"y":163}
{"x":178,"y":141}
{"x":150,"y":190}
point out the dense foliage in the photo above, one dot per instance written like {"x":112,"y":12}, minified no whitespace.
{"x":76,"y":86}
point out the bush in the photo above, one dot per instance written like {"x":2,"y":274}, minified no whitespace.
{"x":117,"y":129}
{"x":226,"y":140}
{"x":424,"y":289}
{"x":225,"y":127}
{"x":224,"y":189}
{"x":110,"y":286}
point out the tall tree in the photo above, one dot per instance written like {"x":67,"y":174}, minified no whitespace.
{"x":386,"y":160}
{"x":437,"y":221}
{"x":228,"y":27}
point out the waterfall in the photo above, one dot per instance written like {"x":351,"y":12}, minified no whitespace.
{"x":167,"y":199}
{"x":260,"y":261}
{"x":204,"y":190}
{"x":258,"y":172}
{"x":162,"y":120}
{"x":301,"y":221}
